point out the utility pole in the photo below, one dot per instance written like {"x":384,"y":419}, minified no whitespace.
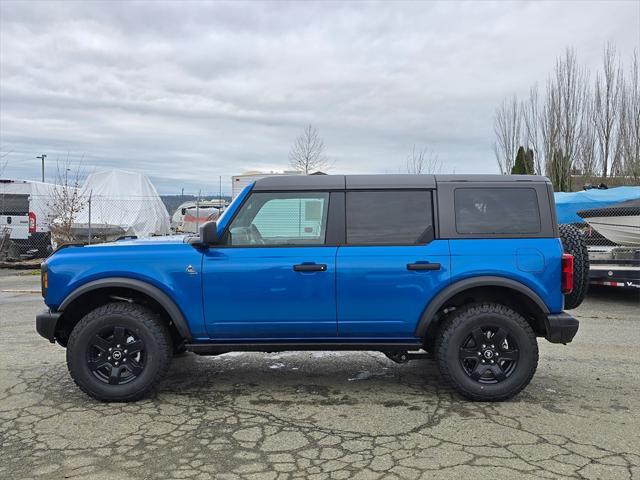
{"x":220,"y":194}
{"x":198,"y":212}
{"x":42,"y":157}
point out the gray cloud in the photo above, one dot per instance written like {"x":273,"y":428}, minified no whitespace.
{"x":188,"y":91}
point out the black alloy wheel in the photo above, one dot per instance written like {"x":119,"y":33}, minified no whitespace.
{"x":489,"y":354}
{"x":116,"y":355}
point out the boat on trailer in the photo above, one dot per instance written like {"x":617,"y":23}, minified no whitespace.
{"x":619,"y":223}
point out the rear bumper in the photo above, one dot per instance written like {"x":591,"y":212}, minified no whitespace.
{"x":46,"y":322}
{"x":561,"y":327}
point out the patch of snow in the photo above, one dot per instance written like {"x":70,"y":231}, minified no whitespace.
{"x":232,"y":354}
{"x":367,"y":375}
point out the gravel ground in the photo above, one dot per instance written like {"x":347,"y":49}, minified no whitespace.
{"x":324,"y":415}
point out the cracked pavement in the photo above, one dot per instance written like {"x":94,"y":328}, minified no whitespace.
{"x":324,"y":415}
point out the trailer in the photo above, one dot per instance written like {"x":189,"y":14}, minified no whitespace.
{"x":614,"y":266}
{"x":238,"y":182}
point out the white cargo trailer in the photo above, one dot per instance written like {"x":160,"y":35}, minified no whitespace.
{"x":238,"y":182}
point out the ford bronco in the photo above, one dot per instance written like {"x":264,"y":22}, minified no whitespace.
{"x":467,"y":269}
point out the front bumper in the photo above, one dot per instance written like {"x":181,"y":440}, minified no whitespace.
{"x":561,"y":327}
{"x":46,"y":322}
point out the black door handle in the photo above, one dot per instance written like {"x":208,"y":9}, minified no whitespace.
{"x":310,"y":267}
{"x":423,"y":266}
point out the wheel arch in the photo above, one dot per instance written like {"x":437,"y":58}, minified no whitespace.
{"x":484,"y":288}
{"x":92,"y":294}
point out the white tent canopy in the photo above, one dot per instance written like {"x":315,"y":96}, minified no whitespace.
{"x":122,"y":200}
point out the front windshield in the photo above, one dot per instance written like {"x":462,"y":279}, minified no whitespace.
{"x":224,"y":218}
{"x":221,"y":220}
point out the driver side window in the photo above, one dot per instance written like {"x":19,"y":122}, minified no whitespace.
{"x":281,"y":219}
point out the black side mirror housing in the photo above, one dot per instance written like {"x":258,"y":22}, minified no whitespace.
{"x":209,"y":233}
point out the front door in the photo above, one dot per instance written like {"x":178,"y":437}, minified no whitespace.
{"x":391,"y":266}
{"x":273,"y":278}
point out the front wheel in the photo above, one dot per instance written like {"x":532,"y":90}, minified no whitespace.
{"x":487,"y":352}
{"x":119,"y":352}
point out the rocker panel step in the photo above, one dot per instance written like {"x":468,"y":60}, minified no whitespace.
{"x":217,"y":348}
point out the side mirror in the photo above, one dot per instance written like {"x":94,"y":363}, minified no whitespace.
{"x":209,"y":233}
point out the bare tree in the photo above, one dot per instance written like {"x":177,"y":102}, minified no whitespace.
{"x":307,"y":153}
{"x":66,"y":202}
{"x":606,"y":103}
{"x":549,"y":121}
{"x":506,"y":124}
{"x":627,"y":152}
{"x":531,"y":124}
{"x":567,"y":98}
{"x":587,"y":158}
{"x":423,"y":161}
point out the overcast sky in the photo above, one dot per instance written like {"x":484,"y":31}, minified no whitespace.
{"x":188,"y":91}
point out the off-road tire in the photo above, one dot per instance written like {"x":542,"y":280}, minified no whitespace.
{"x":137,"y":318}
{"x":459,"y":325}
{"x":573,"y":242}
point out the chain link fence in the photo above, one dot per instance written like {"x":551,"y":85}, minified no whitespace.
{"x":33,"y":225}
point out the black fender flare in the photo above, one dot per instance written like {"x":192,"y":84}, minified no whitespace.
{"x":175,"y":314}
{"x":486,"y":281}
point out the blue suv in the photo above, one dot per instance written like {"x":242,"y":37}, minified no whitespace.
{"x":467,"y":269}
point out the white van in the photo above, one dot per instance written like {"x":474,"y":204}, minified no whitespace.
{"x":25,"y":210}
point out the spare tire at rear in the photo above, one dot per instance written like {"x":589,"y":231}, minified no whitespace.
{"x":573,"y":242}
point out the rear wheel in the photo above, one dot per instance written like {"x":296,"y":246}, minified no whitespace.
{"x":487,"y":352}
{"x":119,"y":352}
{"x":573,"y":242}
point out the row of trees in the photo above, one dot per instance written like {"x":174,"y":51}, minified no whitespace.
{"x":577,"y":125}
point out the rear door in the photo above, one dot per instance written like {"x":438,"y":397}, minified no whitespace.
{"x":391,"y":266}
{"x":14,"y":215}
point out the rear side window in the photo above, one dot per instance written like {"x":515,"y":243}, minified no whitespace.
{"x":496,"y":210}
{"x":389,"y":217}
{"x":14,"y":204}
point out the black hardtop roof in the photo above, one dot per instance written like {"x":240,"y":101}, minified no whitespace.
{"x":382,"y":181}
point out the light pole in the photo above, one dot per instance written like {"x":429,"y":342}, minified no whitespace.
{"x":42,"y":157}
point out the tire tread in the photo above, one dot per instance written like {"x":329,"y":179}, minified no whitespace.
{"x":573,"y":242}
{"x":454,"y":321}
{"x":144,"y":316}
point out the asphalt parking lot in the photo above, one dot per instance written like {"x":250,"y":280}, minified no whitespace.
{"x":317,"y":415}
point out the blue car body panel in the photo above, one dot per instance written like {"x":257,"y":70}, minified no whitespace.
{"x":378,"y":297}
{"x":254,"y":293}
{"x":162,"y":264}
{"x":535,"y":263}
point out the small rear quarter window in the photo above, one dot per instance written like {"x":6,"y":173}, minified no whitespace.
{"x":497,"y":211}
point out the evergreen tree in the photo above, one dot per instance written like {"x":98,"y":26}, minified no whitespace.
{"x":519,"y":167}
